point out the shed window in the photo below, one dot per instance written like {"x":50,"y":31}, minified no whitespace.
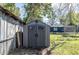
{"x":40,"y":27}
{"x":32,"y":27}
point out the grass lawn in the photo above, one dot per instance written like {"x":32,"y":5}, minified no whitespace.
{"x":61,"y":45}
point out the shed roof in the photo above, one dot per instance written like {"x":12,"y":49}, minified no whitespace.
{"x":36,"y":21}
{"x":7,"y":12}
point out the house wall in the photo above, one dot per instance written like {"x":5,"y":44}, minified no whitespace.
{"x":69,"y":29}
{"x":8,"y":27}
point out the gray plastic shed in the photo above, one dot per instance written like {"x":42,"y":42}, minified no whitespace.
{"x":36,"y":34}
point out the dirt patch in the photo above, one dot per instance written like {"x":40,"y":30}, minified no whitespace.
{"x":28,"y":52}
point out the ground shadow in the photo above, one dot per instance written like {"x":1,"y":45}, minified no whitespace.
{"x":55,"y":46}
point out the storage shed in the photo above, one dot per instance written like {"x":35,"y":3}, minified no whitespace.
{"x":9,"y":25}
{"x":36,"y":34}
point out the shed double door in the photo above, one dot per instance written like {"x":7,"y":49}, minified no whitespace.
{"x":36,"y":36}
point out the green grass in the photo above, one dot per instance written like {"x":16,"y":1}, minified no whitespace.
{"x":61,"y":45}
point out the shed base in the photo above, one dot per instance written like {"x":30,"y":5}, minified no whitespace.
{"x":43,"y":51}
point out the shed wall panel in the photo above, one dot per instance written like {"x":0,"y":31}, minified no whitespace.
{"x":25,"y":36}
{"x":41,"y":35}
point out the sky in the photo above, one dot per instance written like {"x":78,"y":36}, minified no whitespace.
{"x":20,"y":5}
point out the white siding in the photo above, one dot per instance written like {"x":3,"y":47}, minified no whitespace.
{"x":8,"y":29}
{"x":3,"y":27}
{"x":0,"y":27}
{"x":0,"y":24}
{"x":0,"y":32}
